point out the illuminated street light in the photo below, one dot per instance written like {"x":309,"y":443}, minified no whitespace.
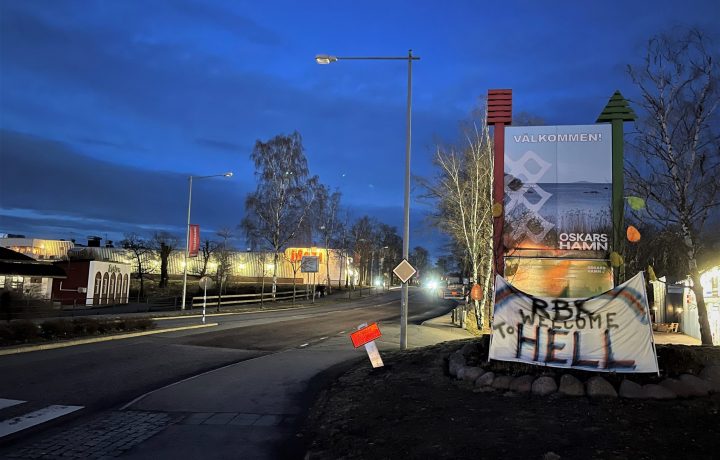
{"x":327,"y":59}
{"x":187,"y":230}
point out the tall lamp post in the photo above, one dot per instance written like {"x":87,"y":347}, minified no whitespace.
{"x":327,"y":59}
{"x":187,"y":229}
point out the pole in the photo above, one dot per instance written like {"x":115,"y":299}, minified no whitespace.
{"x":618,"y":200}
{"x":406,"y":215}
{"x":187,"y":243}
{"x":204,"y":300}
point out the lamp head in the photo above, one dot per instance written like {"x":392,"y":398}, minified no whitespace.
{"x":325,"y":59}
{"x":228,"y":174}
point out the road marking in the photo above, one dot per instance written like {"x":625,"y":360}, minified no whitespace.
{"x":9,"y":402}
{"x":15,"y":424}
{"x":323,"y":338}
{"x":304,"y":345}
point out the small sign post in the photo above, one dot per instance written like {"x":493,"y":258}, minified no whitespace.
{"x":366,"y":335}
{"x":205,"y":282}
{"x":310,"y":264}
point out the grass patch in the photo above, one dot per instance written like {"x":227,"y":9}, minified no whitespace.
{"x":21,"y":332}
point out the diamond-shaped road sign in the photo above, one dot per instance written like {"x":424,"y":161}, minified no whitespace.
{"x":404,"y":271}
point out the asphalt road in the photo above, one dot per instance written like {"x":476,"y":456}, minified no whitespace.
{"x":109,"y":374}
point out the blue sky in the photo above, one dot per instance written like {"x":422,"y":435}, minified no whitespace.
{"x":107,"y":107}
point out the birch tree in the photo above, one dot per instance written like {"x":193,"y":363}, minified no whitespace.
{"x":463,"y":192}
{"x":285,"y":193}
{"x":677,"y":150}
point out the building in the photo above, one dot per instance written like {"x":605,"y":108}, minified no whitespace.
{"x":37,"y":248}
{"x":92,"y":282}
{"x":26,"y":276}
{"x":676,"y":303}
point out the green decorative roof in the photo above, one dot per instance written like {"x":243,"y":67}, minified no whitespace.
{"x":618,"y":108}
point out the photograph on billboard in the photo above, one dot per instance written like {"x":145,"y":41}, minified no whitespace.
{"x":559,"y":277}
{"x":558,"y":184}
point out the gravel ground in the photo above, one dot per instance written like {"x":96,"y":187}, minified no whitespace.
{"x":412,"y":409}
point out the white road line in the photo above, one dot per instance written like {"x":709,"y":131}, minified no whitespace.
{"x":304,"y":345}
{"x":9,"y":402}
{"x":22,"y":422}
{"x":323,"y":338}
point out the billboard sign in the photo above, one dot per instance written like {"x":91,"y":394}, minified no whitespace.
{"x":309,"y":264}
{"x":558,"y":182}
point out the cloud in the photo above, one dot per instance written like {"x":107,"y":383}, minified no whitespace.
{"x":224,"y":146}
{"x":47,"y":180}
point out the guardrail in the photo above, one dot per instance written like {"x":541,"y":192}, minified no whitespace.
{"x":239,"y":299}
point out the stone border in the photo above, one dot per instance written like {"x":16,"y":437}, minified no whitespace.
{"x":686,"y":386}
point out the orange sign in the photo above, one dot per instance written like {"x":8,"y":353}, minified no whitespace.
{"x":296,"y":254}
{"x":365,"y":335}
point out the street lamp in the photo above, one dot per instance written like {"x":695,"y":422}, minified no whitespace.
{"x":187,"y":230}
{"x":328,"y":59}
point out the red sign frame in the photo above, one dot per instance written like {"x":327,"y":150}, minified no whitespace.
{"x":365,"y":335}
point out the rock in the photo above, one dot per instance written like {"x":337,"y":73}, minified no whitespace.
{"x":632,"y":390}
{"x":485,"y":380}
{"x":522,"y":384}
{"x":502,"y":382}
{"x":677,"y":387}
{"x":652,"y":391}
{"x":551,"y":456}
{"x":711,"y":373}
{"x":571,"y":386}
{"x":455,"y":362}
{"x":468,"y":349}
{"x":544,"y":386}
{"x":461,"y":372}
{"x":598,"y":387}
{"x":696,"y":386}
{"x":472,"y":373}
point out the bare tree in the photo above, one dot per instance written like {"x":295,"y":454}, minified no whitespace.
{"x":419,"y":259}
{"x":278,"y":208}
{"x":164,"y":244}
{"x":207,"y":249}
{"x":222,"y":254}
{"x":463,"y":192}
{"x":677,"y":150}
{"x":327,"y":221}
{"x":140,"y":251}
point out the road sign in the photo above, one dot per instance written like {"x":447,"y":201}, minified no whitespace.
{"x":206,"y":282}
{"x":365,"y":335}
{"x":404,"y":271}
{"x":309,"y":264}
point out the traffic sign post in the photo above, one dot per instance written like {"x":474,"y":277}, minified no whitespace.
{"x":404,"y":271}
{"x":366,"y":335}
{"x":205,"y":281}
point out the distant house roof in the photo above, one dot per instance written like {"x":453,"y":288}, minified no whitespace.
{"x":14,"y":263}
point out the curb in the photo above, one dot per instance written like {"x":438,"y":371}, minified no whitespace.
{"x":71,"y":343}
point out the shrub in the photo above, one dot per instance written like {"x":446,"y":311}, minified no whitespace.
{"x":56,"y":329}
{"x":85,"y":326}
{"x":24,"y":330}
{"x":135,"y":324}
{"x":6,"y":334}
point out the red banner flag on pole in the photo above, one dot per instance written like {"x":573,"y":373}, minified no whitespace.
{"x":194,"y":240}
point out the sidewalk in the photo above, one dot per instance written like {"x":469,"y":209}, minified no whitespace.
{"x":250,"y":410}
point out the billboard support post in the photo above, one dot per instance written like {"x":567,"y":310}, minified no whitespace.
{"x":617,"y":111}
{"x":499,"y":114}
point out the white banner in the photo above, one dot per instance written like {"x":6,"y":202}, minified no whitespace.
{"x":610,"y":332}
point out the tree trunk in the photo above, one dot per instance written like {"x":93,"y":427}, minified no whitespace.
{"x":274,"y":284}
{"x":705,"y":335}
